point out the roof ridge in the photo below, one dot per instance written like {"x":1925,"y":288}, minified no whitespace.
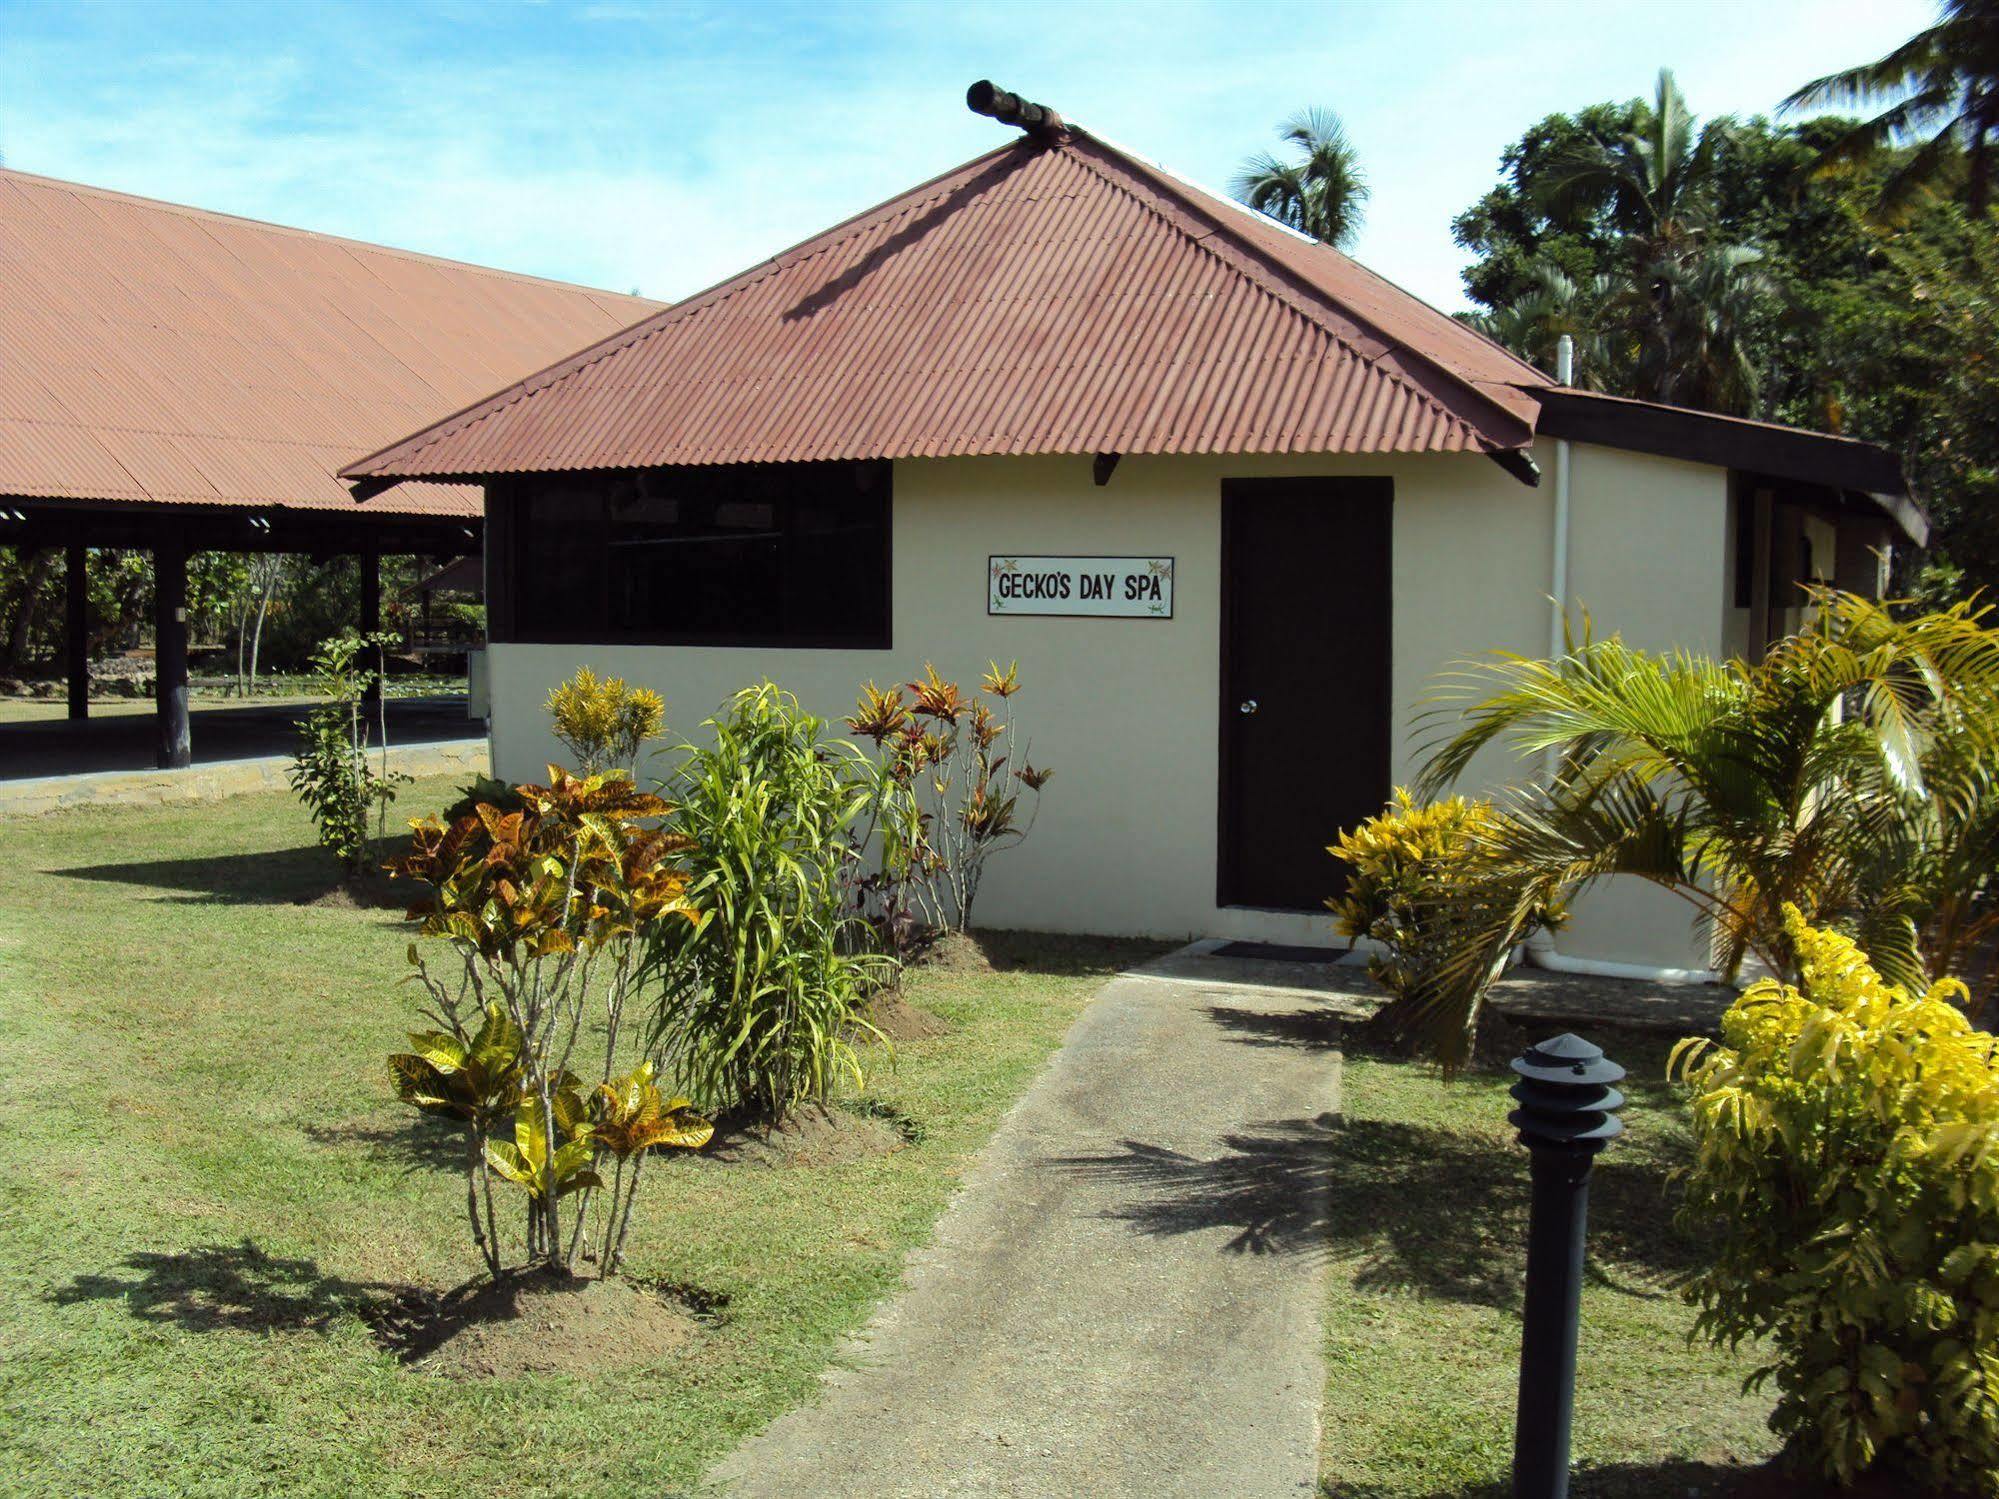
{"x":1201,"y":241}
{"x":271,"y":226}
{"x":671,"y":314}
{"x":1322,"y":301}
{"x":1264,"y":220}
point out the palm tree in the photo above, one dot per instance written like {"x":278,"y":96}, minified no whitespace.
{"x":1559,"y":305}
{"x":1673,"y":328}
{"x":1944,"y":84}
{"x":1669,"y":320}
{"x":1321,"y":193}
{"x":1687,"y":315}
{"x":1853,"y":773}
{"x":1659,"y":175}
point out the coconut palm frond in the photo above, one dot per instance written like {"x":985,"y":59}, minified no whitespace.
{"x":1941,"y":88}
{"x":1852,"y":773}
{"x":1322,"y":192}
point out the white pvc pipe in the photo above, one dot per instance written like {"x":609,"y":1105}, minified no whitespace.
{"x":1540,"y":948}
{"x":1540,"y":953}
{"x":1558,"y":582}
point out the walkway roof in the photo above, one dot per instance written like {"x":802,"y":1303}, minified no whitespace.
{"x":152,"y":353}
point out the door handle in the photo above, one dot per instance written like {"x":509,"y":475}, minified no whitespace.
{"x":1248,"y":706}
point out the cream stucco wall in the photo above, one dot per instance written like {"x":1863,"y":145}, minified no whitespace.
{"x":1126,"y":711}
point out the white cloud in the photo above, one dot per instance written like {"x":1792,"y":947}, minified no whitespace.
{"x":621,"y":144}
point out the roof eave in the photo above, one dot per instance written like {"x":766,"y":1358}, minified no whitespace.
{"x":1844,"y":464}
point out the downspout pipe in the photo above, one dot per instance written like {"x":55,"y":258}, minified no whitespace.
{"x":1558,"y":580}
{"x":1540,"y":948}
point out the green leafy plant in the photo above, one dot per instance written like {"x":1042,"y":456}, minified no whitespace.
{"x":759,"y":1002}
{"x":548,"y":903}
{"x":476,"y":1080}
{"x":967,"y":774}
{"x":604,"y":722}
{"x":1850,"y":773}
{"x":331,"y":772}
{"x":1411,"y":870}
{"x":629,"y":1116}
{"x":1846,"y":1186}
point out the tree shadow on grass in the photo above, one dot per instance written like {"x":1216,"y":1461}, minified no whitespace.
{"x":221,"y":1287}
{"x":416,"y":1142}
{"x":1414,"y":1207}
{"x":271,"y":877}
{"x":1055,"y":954}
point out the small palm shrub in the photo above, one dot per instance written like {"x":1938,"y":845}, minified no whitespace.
{"x":331,"y":772}
{"x":1416,"y":872}
{"x":604,"y":722}
{"x":758,"y":1003}
{"x":1853,"y":773}
{"x":960,"y":759}
{"x":1846,"y":1183}
{"x":547,"y":904}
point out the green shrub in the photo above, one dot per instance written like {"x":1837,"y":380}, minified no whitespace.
{"x":330,"y":772}
{"x":759,"y":1002}
{"x":1846,"y":1181}
{"x":604,"y":722}
{"x":1416,"y":877}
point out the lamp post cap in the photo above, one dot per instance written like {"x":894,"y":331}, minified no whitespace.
{"x":1568,"y":1060}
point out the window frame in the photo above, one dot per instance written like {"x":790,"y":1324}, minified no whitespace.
{"x":505,"y":497}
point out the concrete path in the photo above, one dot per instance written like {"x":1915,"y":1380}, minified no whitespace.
{"x":1124,"y":1299}
{"x":214,"y":780}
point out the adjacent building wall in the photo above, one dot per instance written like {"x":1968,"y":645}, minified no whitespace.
{"x":1127,"y":711}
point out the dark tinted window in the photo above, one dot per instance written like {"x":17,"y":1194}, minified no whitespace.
{"x":787,"y":554}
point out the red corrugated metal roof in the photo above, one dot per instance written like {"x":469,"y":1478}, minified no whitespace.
{"x":150,"y":352}
{"x":1059,"y":297}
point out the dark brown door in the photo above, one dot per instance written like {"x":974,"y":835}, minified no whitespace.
{"x":1305,"y":681}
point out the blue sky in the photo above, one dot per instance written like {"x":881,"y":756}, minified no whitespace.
{"x":665,"y":146}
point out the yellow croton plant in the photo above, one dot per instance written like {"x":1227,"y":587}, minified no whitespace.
{"x":1846,"y":1182}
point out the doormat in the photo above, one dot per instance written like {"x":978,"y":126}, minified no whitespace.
{"x":1277,"y":952}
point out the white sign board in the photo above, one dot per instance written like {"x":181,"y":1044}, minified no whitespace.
{"x":1095,"y":587}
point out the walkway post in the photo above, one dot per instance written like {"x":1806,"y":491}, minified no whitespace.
{"x":76,"y":627}
{"x":371,"y":621}
{"x":176,"y":747}
{"x":1567,"y":1114}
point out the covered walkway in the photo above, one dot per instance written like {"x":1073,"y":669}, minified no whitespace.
{"x":123,"y":736}
{"x":176,"y":381}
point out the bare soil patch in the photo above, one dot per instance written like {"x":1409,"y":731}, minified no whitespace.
{"x":371,"y":892}
{"x":994,"y":950}
{"x":812,"y":1136}
{"x":535,"y":1323}
{"x":902,"y":1022}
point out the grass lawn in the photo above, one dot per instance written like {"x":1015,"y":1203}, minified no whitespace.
{"x":1423,"y":1320}
{"x":204,"y":1174}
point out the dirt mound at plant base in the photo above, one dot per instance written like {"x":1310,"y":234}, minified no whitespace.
{"x":812,"y":1136}
{"x":954,"y":952}
{"x":900,"y":1021}
{"x":541,"y":1324}
{"x":371,"y":892}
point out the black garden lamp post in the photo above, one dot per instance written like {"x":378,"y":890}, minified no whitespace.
{"x":1568,"y":1112}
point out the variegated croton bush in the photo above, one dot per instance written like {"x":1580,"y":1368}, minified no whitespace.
{"x":603,"y":968}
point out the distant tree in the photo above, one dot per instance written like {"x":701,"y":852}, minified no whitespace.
{"x":1320,"y":191}
{"x":1943,"y":88}
{"x":1518,"y":240}
{"x":1654,"y":178}
{"x":1610,"y":231}
{"x":1846,"y":324}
